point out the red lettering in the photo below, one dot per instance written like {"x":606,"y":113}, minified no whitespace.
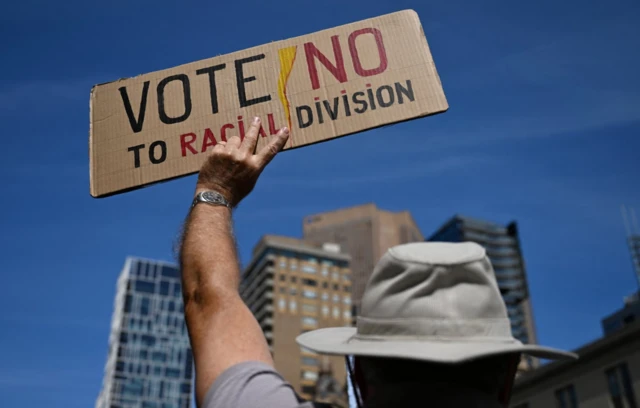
{"x":209,"y":140}
{"x":223,"y":131}
{"x":261,"y":132}
{"x":336,"y":70}
{"x":241,"y":127}
{"x":186,"y":144}
{"x":272,"y":124}
{"x":382,"y":53}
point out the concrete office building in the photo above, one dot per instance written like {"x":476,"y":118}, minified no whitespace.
{"x":292,"y":286}
{"x":607,"y":375}
{"x":364,"y":232}
{"x":503,"y":248}
{"x":149,"y":363}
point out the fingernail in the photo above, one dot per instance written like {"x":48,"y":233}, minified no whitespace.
{"x":285,"y":130}
{"x":256,"y":120}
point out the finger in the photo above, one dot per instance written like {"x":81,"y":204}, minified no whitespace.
{"x":270,"y":150}
{"x":219,"y":147}
{"x":251,"y":137}
{"x":233,"y":143}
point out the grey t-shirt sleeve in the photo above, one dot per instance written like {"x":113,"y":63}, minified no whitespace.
{"x":252,"y":384}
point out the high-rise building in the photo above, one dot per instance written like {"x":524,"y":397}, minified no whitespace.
{"x":149,"y":363}
{"x":503,"y":249}
{"x":364,"y":232}
{"x":292,"y":287}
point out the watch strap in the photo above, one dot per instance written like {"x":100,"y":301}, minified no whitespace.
{"x":210,"y":197}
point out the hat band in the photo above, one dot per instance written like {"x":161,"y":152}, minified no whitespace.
{"x":446,"y":328}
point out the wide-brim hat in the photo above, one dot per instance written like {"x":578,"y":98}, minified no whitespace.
{"x":430,"y":301}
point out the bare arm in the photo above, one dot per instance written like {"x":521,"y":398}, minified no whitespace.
{"x":222,"y":330}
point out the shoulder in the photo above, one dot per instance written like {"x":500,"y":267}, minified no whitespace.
{"x":252,"y":384}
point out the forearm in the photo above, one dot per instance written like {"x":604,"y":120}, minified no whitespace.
{"x":208,"y":256}
{"x":222,"y":330}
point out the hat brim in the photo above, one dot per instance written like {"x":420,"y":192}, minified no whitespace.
{"x":343,"y":341}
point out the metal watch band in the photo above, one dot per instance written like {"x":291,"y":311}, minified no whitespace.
{"x":210,"y":197}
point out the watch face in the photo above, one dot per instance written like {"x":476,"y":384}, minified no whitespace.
{"x":210,"y":196}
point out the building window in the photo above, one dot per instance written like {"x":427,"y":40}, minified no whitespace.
{"x":293,"y":306}
{"x":145,"y":287}
{"x":347,"y":288}
{"x":566,"y":397}
{"x":283,"y":290}
{"x":127,"y":303}
{"x":309,"y":361}
{"x":336,"y":286}
{"x":158,"y":356}
{"x":309,"y":308}
{"x":309,"y":294}
{"x":170,"y":272}
{"x":347,"y":314}
{"x":293,"y":291}
{"x":325,"y":311}
{"x":620,"y":387}
{"x":325,"y":272}
{"x":145,"y":306}
{"x":293,"y":266}
{"x":309,"y":321}
{"x":294,"y":279}
{"x":325,"y":296}
{"x":336,"y":312}
{"x":336,"y":298}
{"x":346,"y":277}
{"x":283,"y":263}
{"x":309,"y":282}
{"x":309,"y":375}
{"x":309,"y":269}
{"x":283,"y":278}
{"x":335,"y":276}
{"x":282,"y":305}
{"x":325,"y":285}
{"x":347,"y":300}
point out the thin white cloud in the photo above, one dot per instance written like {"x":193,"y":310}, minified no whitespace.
{"x":575,"y":83}
{"x":585,"y":111}
{"x":385,"y":174}
{"x":56,"y":321}
{"x":36,"y":377}
{"x":40,"y":94}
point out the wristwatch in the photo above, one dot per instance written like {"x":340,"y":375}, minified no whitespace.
{"x":210,"y":197}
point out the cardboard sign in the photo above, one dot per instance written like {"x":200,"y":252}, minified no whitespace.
{"x":332,"y":83}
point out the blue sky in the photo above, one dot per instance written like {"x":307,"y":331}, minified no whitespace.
{"x":543,"y":128}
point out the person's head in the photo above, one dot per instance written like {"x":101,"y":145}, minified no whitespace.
{"x":433,"y":311}
{"x":487,"y":375}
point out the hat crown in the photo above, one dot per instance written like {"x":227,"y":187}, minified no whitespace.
{"x":430,"y":301}
{"x":434,"y":289}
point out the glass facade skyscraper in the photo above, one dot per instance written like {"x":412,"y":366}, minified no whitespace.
{"x":503,"y":249}
{"x":149,"y":363}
